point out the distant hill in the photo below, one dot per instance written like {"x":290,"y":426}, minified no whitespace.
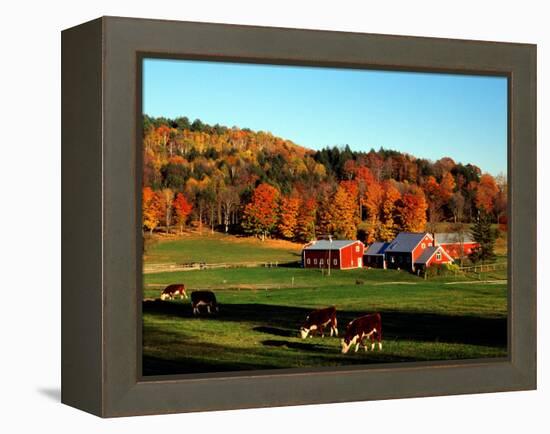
{"x":218,"y":170}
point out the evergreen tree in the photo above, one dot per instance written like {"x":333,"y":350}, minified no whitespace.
{"x":485,"y":236}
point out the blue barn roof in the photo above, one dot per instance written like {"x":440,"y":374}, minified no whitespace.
{"x":406,"y":241}
{"x":377,"y":248}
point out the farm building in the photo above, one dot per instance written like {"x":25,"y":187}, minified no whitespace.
{"x":455,"y":244}
{"x":341,"y":254}
{"x":414,"y":250}
{"x":374,"y":255}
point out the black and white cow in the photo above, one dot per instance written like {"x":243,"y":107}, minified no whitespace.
{"x":173,"y":290}
{"x":361,"y":329}
{"x":204,"y":298}
{"x":317,"y":320}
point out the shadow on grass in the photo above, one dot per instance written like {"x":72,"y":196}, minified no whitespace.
{"x":285,"y":321}
{"x":276,"y":331}
{"x":302,"y":346}
{"x":169,"y":352}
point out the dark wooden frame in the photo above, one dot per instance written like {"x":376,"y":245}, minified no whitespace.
{"x":101,"y":268}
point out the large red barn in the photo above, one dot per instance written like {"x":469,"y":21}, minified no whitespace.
{"x":340,"y":254}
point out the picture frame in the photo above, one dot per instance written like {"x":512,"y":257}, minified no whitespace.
{"x":101,"y":265}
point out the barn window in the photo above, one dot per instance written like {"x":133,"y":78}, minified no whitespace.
{"x":308,"y":261}
{"x":336,"y":262}
{"x":321,"y":262}
{"x":357,"y":248}
{"x":438,"y":256}
{"x":423,"y":245}
{"x":393,"y":259}
{"x":399,"y":259}
{"x":315,"y":261}
{"x":429,"y":244}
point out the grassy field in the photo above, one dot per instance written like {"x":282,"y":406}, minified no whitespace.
{"x":262,"y":308}
{"x":219,"y":248}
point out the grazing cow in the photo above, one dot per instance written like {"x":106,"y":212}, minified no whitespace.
{"x":204,"y":298}
{"x":360,"y":329}
{"x":172,"y":291}
{"x":318,"y":320}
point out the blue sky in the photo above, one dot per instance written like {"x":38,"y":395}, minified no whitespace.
{"x":425,"y":114}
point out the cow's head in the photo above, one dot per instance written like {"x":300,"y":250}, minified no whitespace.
{"x":347,"y":343}
{"x":304,"y":332}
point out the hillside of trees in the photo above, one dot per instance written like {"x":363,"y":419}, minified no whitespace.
{"x":251,"y":182}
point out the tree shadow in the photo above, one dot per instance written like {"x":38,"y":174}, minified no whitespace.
{"x":276,"y":331}
{"x":285,"y":321}
{"x":302,"y":346}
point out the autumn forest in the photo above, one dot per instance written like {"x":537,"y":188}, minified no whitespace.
{"x":235,"y":180}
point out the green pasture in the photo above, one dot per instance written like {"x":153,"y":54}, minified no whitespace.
{"x":257,"y":328}
{"x":261,"y":309}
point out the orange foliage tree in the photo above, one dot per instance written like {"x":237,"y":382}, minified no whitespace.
{"x":412,"y":211}
{"x":342,"y":214}
{"x":288,"y":216}
{"x":388,"y":226}
{"x":305,"y":225}
{"x":447,"y":187}
{"x":260,"y":214}
{"x":151,"y":208}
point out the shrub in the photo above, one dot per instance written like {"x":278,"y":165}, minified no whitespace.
{"x":442,"y":270}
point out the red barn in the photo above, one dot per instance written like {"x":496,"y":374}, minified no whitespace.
{"x":455,"y":244}
{"x":410,"y":251}
{"x":341,"y":254}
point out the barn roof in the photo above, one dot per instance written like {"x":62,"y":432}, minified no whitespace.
{"x":377,"y":248}
{"x":453,"y":238}
{"x":406,"y":241}
{"x":428,"y":253}
{"x":327,"y":245}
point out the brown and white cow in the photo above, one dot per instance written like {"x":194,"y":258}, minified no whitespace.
{"x":360,"y":329}
{"x":317,"y":320}
{"x":172,"y":291}
{"x":204,"y":298}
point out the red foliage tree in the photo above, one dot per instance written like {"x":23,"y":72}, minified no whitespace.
{"x":486,"y":193}
{"x":182,"y":208}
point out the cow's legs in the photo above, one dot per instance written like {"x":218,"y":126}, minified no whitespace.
{"x":322,"y":330}
{"x":372,"y":343}
{"x":379,"y":338}
{"x":208,"y":309}
{"x":333,"y":328}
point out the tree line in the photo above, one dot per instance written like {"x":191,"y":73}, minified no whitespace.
{"x":252,"y":182}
